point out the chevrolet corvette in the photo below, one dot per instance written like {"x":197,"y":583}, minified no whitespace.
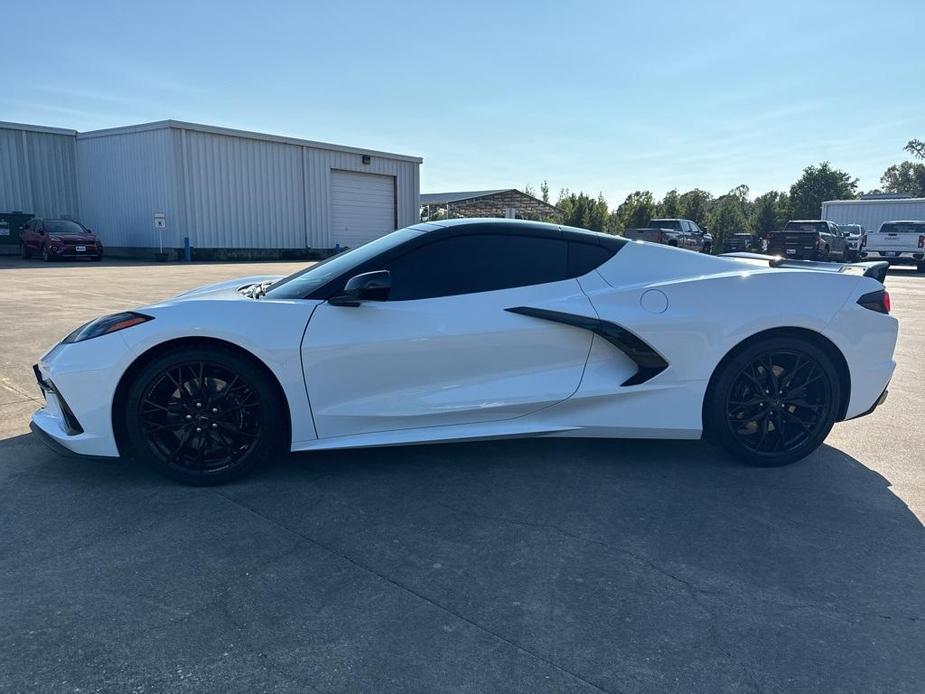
{"x":478,"y":329}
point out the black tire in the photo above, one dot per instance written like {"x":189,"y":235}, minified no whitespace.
{"x":920,"y":268}
{"x":209,"y":442}
{"x":761,"y":427}
{"x":96,"y":258}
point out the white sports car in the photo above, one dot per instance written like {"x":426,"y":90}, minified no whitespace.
{"x":478,"y":329}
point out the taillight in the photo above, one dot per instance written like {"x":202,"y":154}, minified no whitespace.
{"x":876,"y":301}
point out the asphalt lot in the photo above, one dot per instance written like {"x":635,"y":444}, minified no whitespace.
{"x":517,"y":566}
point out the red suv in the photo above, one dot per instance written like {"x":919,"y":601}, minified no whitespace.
{"x":55,"y":239}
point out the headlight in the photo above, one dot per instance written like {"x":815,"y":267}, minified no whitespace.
{"x":105,"y":325}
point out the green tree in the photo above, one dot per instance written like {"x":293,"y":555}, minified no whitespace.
{"x":583,"y":211}
{"x":770,"y":211}
{"x":906,"y":177}
{"x":544,"y":191}
{"x":726,"y":217}
{"x":916,"y":148}
{"x":670,"y":205}
{"x":635,"y":211}
{"x":695,"y":204}
{"x":817,"y":184}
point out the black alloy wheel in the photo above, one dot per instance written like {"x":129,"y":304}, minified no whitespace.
{"x":774,"y":403}
{"x":203,"y":417}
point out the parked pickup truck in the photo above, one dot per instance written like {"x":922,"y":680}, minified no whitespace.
{"x":853,"y":234}
{"x":899,"y":243}
{"x":682,"y":233}
{"x":809,"y":239}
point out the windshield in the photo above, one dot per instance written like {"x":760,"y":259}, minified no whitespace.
{"x":304,"y":282}
{"x":806,"y":226}
{"x":665,"y":224}
{"x":62,"y":226}
{"x":903,"y":228}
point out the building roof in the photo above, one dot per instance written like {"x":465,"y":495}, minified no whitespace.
{"x":37,"y":128}
{"x":446,"y":198}
{"x":873,"y":201}
{"x":232,"y":132}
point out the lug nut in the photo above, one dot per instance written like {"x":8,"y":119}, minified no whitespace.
{"x":214,"y":410}
{"x":198,"y":429}
{"x":189,"y":416}
{"x":198,"y":404}
{"x":214,"y":425}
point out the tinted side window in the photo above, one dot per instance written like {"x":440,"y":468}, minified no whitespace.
{"x":584,"y":257}
{"x":476,"y":263}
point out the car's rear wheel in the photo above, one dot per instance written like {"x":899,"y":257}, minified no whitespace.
{"x":203,"y":416}
{"x":920,"y":267}
{"x":774,"y":402}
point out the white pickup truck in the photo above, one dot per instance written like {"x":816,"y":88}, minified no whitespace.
{"x":899,"y":243}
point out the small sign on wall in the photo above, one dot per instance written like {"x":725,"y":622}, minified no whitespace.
{"x":160,"y":220}
{"x":4,"y":228}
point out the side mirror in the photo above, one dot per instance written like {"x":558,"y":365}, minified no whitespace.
{"x":369,"y":286}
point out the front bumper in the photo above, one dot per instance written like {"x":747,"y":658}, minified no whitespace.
{"x":76,"y":414}
{"x":72,"y":252}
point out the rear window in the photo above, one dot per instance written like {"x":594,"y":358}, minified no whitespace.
{"x":806,"y":226}
{"x":62,"y":226}
{"x":672,"y":224}
{"x":903,"y":228}
{"x":584,"y":257}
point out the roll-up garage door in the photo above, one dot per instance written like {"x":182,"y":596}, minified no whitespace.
{"x":363,"y":207}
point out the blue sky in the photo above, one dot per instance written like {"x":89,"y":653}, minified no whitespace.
{"x":596,"y":96}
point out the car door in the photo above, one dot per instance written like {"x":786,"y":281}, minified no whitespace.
{"x":444,"y":349}
{"x":28,"y":235}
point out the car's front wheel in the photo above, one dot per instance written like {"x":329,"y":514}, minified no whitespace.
{"x":203,"y":416}
{"x":774,"y":402}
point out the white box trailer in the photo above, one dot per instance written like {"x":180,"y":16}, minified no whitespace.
{"x":872,"y":213}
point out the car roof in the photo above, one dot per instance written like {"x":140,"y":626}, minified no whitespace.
{"x":486,"y":224}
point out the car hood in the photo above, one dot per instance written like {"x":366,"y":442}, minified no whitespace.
{"x":73,"y":238}
{"x":226,"y":288}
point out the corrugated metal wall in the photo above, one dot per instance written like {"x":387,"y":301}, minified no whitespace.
{"x":38,"y":173}
{"x":125,"y":179}
{"x":872,"y":213}
{"x":251,"y":193}
{"x":242,"y":193}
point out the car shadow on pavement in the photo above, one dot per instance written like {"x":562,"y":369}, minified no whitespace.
{"x":531,"y":565}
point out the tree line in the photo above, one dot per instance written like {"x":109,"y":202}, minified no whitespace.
{"x":736,"y":211}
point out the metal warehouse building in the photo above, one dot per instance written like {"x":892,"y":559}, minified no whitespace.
{"x":231,"y":193}
{"x":38,"y":170}
{"x":872,"y":212}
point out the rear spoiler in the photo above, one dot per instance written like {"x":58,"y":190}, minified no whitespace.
{"x":875,"y":269}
